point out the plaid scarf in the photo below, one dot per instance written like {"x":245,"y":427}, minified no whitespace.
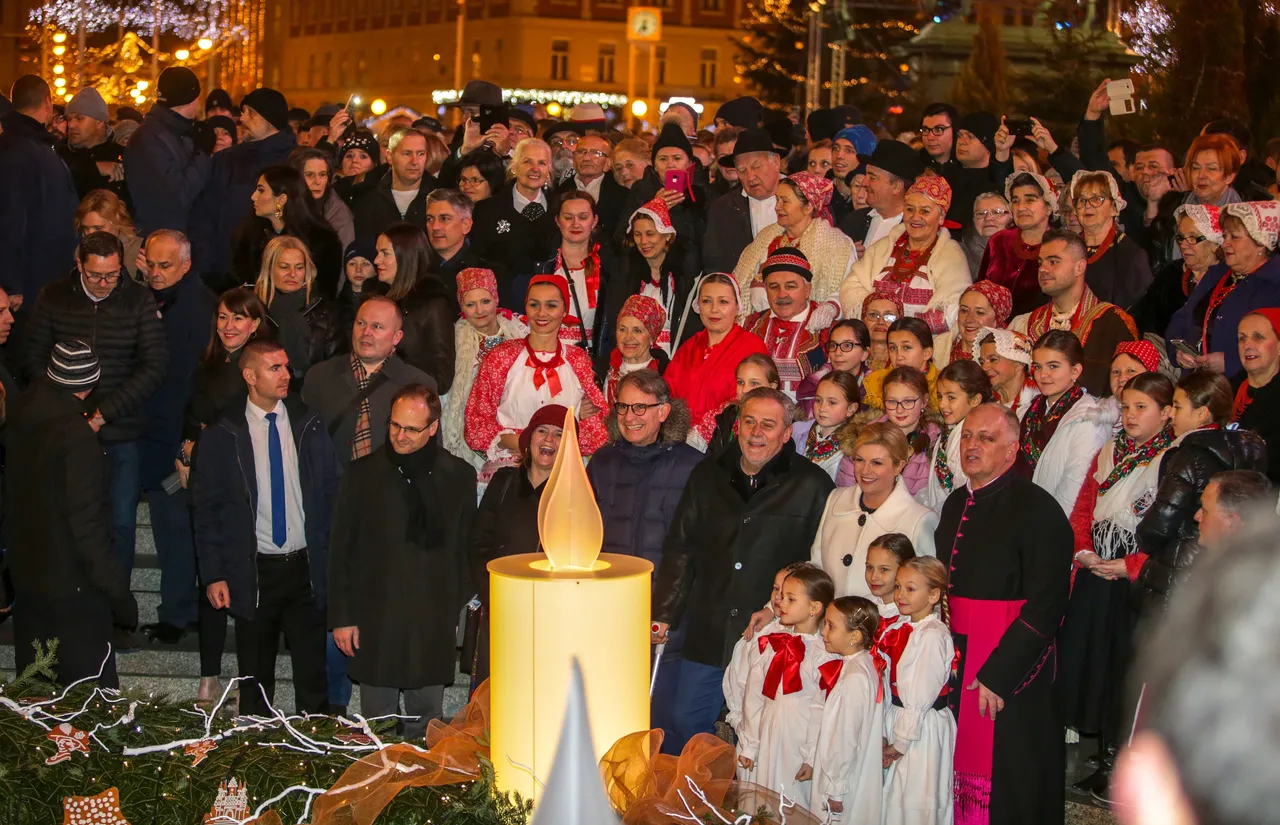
{"x":1041,"y":422}
{"x":362,"y":441}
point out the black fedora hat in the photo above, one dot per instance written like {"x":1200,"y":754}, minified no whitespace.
{"x":896,"y":158}
{"x":479,"y":93}
{"x":751,"y":140}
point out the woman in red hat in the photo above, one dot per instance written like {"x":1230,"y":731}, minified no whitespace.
{"x":1130,"y":358}
{"x":640,"y":324}
{"x":519,"y":377}
{"x":1257,"y":402}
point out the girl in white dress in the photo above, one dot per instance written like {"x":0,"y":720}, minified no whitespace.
{"x":885,"y":555}
{"x":920,"y":731}
{"x":962,"y":385}
{"x":781,"y":687}
{"x":835,"y":401}
{"x":844,"y":749}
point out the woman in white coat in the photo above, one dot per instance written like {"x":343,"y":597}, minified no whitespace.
{"x":878,"y":504}
{"x":1065,"y":427}
{"x":918,"y":264}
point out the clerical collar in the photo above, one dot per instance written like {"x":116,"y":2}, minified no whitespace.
{"x":994,"y":484}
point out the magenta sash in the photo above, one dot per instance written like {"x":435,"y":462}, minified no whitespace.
{"x":982,"y":623}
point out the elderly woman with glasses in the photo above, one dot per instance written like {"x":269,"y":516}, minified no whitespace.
{"x":1119,"y":272}
{"x":1199,"y":241}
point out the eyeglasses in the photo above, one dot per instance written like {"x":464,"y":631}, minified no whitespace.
{"x":936,"y":131}
{"x":842,"y":346}
{"x":589,"y":153}
{"x":397,"y":427}
{"x":468,"y":181}
{"x":1191,"y":239}
{"x":1091,"y":200}
{"x":882,"y":316}
{"x":636,"y":409}
{"x":990,"y":213}
{"x":906,"y":404}
{"x":107,"y":278}
{"x":559,"y":142}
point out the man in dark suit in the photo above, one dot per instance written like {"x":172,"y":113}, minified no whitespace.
{"x":516,"y":228}
{"x":267,"y":483}
{"x":891,"y":169}
{"x":353,"y":392}
{"x":592,"y":173}
{"x":449,"y":223}
{"x":733,"y":222}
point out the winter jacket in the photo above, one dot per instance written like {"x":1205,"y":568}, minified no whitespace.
{"x":249,"y":244}
{"x":83,"y":164}
{"x":338,"y":215}
{"x":722,"y":551}
{"x":513,"y":242}
{"x":1258,"y":290}
{"x":374,"y":209}
{"x":326,"y":337}
{"x":506,"y":523}
{"x":626,"y":279}
{"x":639,"y":488}
{"x":428,"y":331}
{"x":186,"y":310}
{"x":728,"y":231}
{"x":225,"y":496}
{"x":1168,"y":533}
{"x":61,"y":545}
{"x":165,"y":171}
{"x":37,"y":208}
{"x":225,"y":201}
{"x":408,"y":632}
{"x":125,"y":332}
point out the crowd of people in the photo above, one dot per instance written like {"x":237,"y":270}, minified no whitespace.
{"x":959,"y":407}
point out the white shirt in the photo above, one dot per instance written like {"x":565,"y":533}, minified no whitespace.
{"x":762,"y":213}
{"x":403,"y":197}
{"x":880,"y":227}
{"x":85,"y":286}
{"x":520,"y":399}
{"x":592,"y":188}
{"x":520,"y":201}
{"x":259,"y":434}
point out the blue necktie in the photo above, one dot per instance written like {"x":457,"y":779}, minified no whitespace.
{"x":279,"y":520}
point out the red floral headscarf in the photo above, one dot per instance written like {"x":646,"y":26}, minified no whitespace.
{"x":477,"y":278}
{"x":935,"y":188}
{"x":881,"y":296}
{"x":1144,"y":351}
{"x":816,"y":190}
{"x":648,"y":312}
{"x":999,"y":297}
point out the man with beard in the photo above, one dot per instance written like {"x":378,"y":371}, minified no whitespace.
{"x":790,"y":327}
{"x":563,"y":139}
{"x":1008,"y":546}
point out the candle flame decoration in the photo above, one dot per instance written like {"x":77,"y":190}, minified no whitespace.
{"x":569,"y":520}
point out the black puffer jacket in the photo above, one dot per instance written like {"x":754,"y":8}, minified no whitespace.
{"x":638,"y":488}
{"x":124,"y":330}
{"x":1168,"y":532}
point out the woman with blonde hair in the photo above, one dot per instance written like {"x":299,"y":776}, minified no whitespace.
{"x":102,"y":211}
{"x":305,"y":322}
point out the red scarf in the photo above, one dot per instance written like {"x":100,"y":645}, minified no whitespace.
{"x":907,"y":263}
{"x":1242,"y":402}
{"x":829,"y":674}
{"x":788,"y":655}
{"x":591,"y":267}
{"x":1221,"y":291}
{"x":544,"y":372}
{"x":1107,"y":243}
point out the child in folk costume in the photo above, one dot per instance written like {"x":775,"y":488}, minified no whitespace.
{"x":1097,"y":631}
{"x":962,"y":385}
{"x":834,"y":404}
{"x":920,"y":730}
{"x":746,"y":651}
{"x":844,"y":750}
{"x":782,"y":684}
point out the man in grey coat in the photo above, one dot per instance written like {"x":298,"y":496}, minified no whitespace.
{"x":353,"y":393}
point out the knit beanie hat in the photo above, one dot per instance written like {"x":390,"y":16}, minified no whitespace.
{"x":550,"y":414}
{"x":74,"y":366}
{"x":89,"y":103}
{"x":359,"y":248}
{"x":271,"y":105}
{"x":983,"y":126}
{"x":364,"y":140}
{"x":177,"y":86}
{"x":672,"y":138}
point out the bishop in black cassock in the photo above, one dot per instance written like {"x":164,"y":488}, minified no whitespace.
{"x":1008,"y":547}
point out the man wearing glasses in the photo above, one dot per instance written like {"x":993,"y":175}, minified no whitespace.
{"x":937,"y":132}
{"x":592,"y":164}
{"x":401,"y":640}
{"x":100,"y":304}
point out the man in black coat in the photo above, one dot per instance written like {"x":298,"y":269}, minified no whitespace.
{"x":401,"y":194}
{"x":163,"y":165}
{"x":403,"y":639}
{"x":449,"y":224}
{"x":516,"y":227}
{"x":91,"y":153}
{"x":353,"y":392}
{"x":266,"y":486}
{"x":891,"y":169}
{"x":67,"y":584}
{"x":593,"y":174}
{"x":733,"y":222}
{"x":233,"y":175}
{"x":99,"y":302}
{"x":187,"y":308}
{"x":745,"y":515}
{"x":37,"y":230}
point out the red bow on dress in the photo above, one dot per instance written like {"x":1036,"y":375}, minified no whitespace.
{"x":544,"y":372}
{"x":788,"y":655}
{"x":893,"y":642}
{"x":830,"y":674}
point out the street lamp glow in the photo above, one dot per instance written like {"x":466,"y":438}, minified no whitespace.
{"x":59,"y":51}
{"x":143,"y":84}
{"x":554,"y":109}
{"x":59,"y":37}
{"x":378,"y":106}
{"x":59,"y":68}
{"x":639,"y":108}
{"x":59,"y":82}
{"x":182,"y":54}
{"x":205,"y":44}
{"x":134,"y":93}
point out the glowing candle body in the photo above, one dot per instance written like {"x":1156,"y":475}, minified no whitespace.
{"x":546,"y":610}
